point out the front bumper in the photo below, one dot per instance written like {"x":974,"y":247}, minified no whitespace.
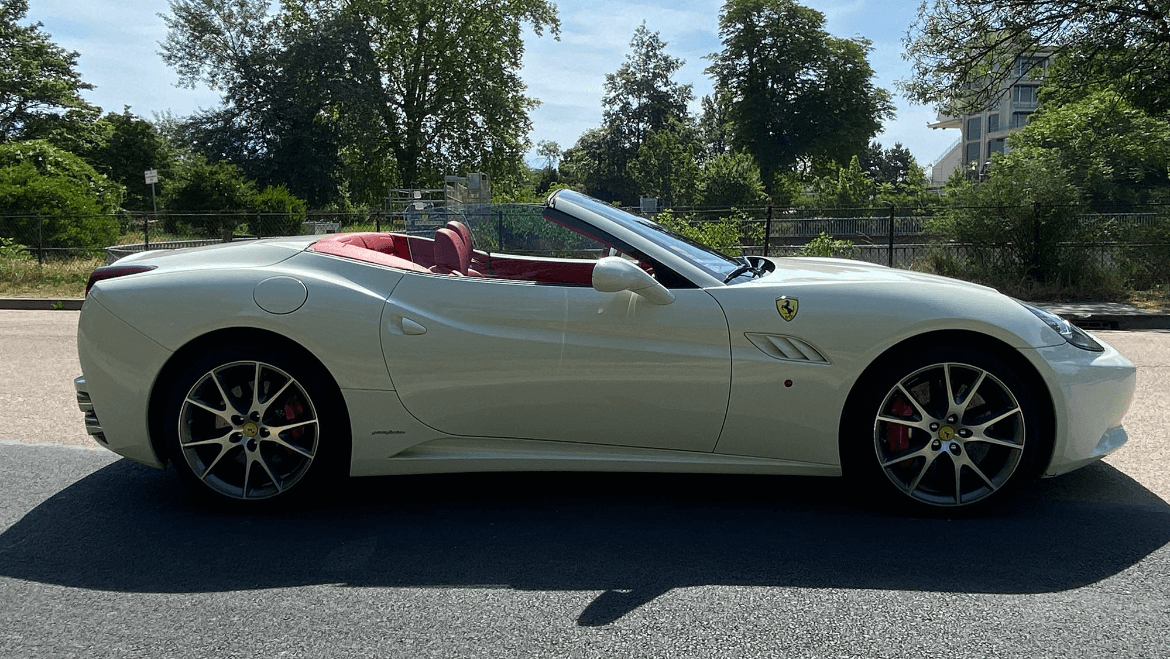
{"x":1091,"y":393}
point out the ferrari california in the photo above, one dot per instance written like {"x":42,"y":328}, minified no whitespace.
{"x":265,"y":370}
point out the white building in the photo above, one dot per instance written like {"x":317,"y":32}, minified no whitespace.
{"x":986,"y":133}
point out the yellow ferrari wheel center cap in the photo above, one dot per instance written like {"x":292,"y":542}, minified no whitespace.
{"x":250,"y":429}
{"x":946,"y":433}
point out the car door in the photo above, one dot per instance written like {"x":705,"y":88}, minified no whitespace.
{"x":503,"y":358}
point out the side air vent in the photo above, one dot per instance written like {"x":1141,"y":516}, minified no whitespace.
{"x":787,"y":348}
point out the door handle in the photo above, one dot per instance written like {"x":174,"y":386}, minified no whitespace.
{"x":405,"y":326}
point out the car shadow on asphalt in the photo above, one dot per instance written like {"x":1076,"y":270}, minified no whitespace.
{"x":127,"y":528}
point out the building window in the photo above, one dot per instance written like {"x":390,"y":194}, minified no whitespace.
{"x":1024,"y":96}
{"x":974,"y":125}
{"x":994,"y":146}
{"x":993,"y":123}
{"x":1020,"y":119}
{"x":1030,"y":68}
{"x":972,"y":153}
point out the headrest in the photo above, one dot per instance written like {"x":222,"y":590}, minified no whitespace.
{"x":451,"y":253}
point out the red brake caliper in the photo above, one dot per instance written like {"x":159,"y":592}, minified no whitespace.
{"x":293,"y":409}
{"x":897,"y":435}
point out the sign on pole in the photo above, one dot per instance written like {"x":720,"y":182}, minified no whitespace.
{"x":152,"y":176}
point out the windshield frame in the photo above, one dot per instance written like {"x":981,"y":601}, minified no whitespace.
{"x":712,"y":263}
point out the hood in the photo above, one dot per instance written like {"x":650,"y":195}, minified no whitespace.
{"x":817,"y":270}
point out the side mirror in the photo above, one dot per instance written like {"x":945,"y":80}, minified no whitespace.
{"x":613,"y":274}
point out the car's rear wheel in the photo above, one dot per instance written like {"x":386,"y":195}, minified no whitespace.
{"x":249,"y":425}
{"x":946,"y":428}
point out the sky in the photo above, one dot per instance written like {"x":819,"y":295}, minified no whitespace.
{"x":118,"y":42}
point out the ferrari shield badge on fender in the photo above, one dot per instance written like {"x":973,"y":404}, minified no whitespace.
{"x":787,"y":306}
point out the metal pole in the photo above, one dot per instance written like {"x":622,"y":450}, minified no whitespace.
{"x":768,"y":230}
{"x":40,"y":243}
{"x":891,"y":254}
{"x":500,"y":230}
{"x":378,"y":222}
{"x":146,"y":221}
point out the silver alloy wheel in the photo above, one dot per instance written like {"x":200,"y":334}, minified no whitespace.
{"x":248,"y":430}
{"x":949,"y":434}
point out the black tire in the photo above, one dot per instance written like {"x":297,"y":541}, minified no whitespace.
{"x":924,"y":453}
{"x":248,"y":447}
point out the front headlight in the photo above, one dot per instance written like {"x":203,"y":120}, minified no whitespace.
{"x":1071,"y":333}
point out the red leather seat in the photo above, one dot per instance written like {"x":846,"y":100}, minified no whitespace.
{"x":465,"y":233}
{"x":451,"y":254}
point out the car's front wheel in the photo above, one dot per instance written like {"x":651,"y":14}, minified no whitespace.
{"x":946,"y":428}
{"x":251,"y":425}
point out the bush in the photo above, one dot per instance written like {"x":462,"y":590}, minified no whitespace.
{"x":55,"y":198}
{"x":278,"y":213}
{"x":824,"y":246}
{"x":216,"y":194}
{"x":1028,"y":216}
{"x":726,"y":235}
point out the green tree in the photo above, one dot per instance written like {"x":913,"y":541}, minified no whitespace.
{"x":127,"y":146}
{"x":277,"y":212}
{"x":1115,"y":153}
{"x":407,"y":92}
{"x":73,"y":204}
{"x":642,"y":96}
{"x":39,"y":83}
{"x":210,"y":197}
{"x":665,"y":167}
{"x":731,"y":180}
{"x":1024,"y":221}
{"x":641,"y":99}
{"x":794,"y":92}
{"x":963,"y":52}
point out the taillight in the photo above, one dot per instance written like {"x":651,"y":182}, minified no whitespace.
{"x":111,"y":271}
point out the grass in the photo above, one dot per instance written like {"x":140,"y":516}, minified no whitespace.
{"x":64,"y":278}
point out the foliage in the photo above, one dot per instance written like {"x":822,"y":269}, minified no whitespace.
{"x":714,"y":127}
{"x":129,"y":146}
{"x":825,"y":246}
{"x":641,"y":101}
{"x":641,"y":97}
{"x":398,"y":93}
{"x":1116,"y":153}
{"x":56,"y":278}
{"x":1027,"y":215}
{"x":10,"y":250}
{"x":58,"y":199}
{"x":727,"y":234}
{"x":598,"y":163}
{"x":846,"y":188}
{"x":278,"y":212}
{"x":39,"y":83}
{"x":963,"y":52}
{"x":665,"y":167}
{"x":1145,"y":255}
{"x":794,"y":92}
{"x":215,"y":193}
{"x":731,"y":180}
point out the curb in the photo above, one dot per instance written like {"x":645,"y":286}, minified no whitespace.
{"x":40,"y":304}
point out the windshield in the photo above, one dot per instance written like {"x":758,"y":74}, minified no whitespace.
{"x":711,"y":261}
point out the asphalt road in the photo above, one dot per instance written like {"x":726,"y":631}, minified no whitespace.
{"x":100,"y":557}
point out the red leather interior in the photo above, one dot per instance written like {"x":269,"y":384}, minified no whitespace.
{"x":465,"y":233}
{"x":451,"y":253}
{"x":352,"y":250}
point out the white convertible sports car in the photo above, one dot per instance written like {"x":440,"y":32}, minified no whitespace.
{"x":259,"y":369}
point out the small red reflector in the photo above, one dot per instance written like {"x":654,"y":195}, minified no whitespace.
{"x":111,"y":271}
